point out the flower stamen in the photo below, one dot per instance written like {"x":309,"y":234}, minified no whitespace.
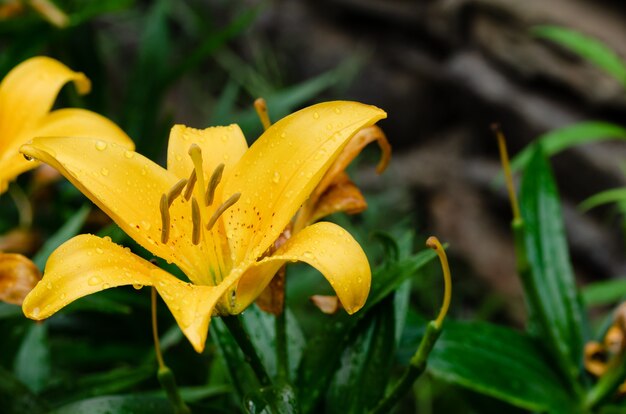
{"x":221,"y":209}
{"x":215,"y":179}
{"x":165,"y":219}
{"x":190,"y":183}
{"x":261,"y":110}
{"x":175,"y":191}
{"x":196,"y":220}
{"x":434,"y":244}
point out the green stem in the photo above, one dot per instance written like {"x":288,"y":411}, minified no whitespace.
{"x":282,"y":359}
{"x":234,"y":325}
{"x":24,"y":207}
{"x":164,"y":374}
{"x":416,"y":367}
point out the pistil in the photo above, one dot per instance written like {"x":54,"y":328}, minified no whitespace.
{"x":196,"y":156}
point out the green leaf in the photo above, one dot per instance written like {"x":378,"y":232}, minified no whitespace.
{"x":242,"y":378}
{"x":499,"y":362}
{"x":366,"y":364}
{"x":550,"y":287}
{"x":586,"y":47}
{"x":609,"y":196}
{"x":260,"y":327}
{"x":146,"y":85}
{"x":118,"y":404}
{"x":16,"y":398}
{"x":605,"y":292}
{"x":283,"y":102}
{"x":32,"y":362}
{"x":561,"y":139}
{"x":67,"y":231}
{"x":98,"y":384}
{"x":323,"y":351}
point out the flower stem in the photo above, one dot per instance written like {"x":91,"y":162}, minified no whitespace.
{"x":280,"y":325}
{"x":416,"y":367}
{"x":24,"y":207}
{"x":237,"y":330}
{"x":164,"y":374}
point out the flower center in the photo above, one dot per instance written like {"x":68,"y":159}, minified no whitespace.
{"x":186,"y":188}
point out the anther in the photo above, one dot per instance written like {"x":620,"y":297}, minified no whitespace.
{"x":190,"y":183}
{"x":196,"y":220}
{"x":261,"y":110}
{"x":215,"y":179}
{"x":175,"y":191}
{"x":165,"y":219}
{"x":221,"y":209}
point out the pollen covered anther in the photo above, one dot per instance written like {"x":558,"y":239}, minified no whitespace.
{"x":215,"y":179}
{"x":196,"y":220}
{"x":221,"y":209}
{"x":175,"y":191}
{"x":190,"y":183}
{"x":165,"y":219}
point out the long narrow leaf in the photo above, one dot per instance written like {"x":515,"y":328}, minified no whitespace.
{"x":588,"y":48}
{"x":551,"y":288}
{"x":499,"y":362}
{"x":561,"y":139}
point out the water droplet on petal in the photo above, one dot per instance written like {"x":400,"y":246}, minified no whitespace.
{"x":276,"y":177}
{"x":105,"y":286}
{"x":308,"y":255}
{"x":104,"y":171}
{"x":101,"y":145}
{"x":316,"y":115}
{"x":94,"y":280}
{"x":99,"y":250}
{"x":36,"y":312}
{"x":49,"y":285}
{"x":129,"y":154}
{"x":137,"y":286}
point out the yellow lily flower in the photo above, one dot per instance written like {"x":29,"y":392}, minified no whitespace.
{"x":214,"y":212}
{"x":27,"y":94}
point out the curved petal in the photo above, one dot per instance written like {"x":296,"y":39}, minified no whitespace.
{"x":127,"y":187}
{"x":281,"y":169}
{"x":66,"y":122}
{"x":325,"y":246}
{"x":77,"y":122}
{"x":87,"y":264}
{"x":222,"y":144}
{"x":18,"y":276}
{"x":28,"y":92}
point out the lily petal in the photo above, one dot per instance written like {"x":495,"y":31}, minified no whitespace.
{"x":28,"y":92}
{"x":18,"y":276}
{"x":340,"y":196}
{"x":222,"y":144}
{"x":87,"y":264}
{"x":279,"y":171}
{"x":325,"y":246}
{"x":66,"y":122}
{"x":127,"y":187}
